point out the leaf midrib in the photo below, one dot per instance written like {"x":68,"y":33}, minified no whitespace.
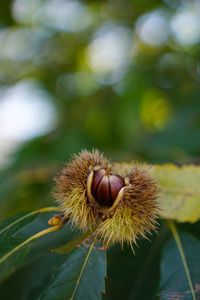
{"x":177,"y":239}
{"x":82,"y":270}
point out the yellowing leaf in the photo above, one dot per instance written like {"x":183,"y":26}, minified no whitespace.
{"x":179,"y":196}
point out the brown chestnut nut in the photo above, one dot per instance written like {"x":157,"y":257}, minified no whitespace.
{"x":106,"y":186}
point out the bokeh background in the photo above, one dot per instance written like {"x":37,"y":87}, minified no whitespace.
{"x":120,"y":76}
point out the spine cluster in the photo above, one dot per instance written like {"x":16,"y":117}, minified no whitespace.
{"x":120,"y":206}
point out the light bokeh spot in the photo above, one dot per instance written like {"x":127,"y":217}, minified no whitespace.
{"x":25,"y":112}
{"x":185,"y":26}
{"x":110,"y":49}
{"x":153,"y":28}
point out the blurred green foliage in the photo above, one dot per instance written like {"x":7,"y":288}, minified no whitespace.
{"x":116,"y":82}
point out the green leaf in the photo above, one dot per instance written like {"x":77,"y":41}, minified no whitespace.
{"x":128,"y":272}
{"x":28,"y":282}
{"x":12,"y":248}
{"x":9,"y":228}
{"x":8,"y":242}
{"x":180,"y":272}
{"x":71,"y":245}
{"x":12,"y":258}
{"x":80,"y":277}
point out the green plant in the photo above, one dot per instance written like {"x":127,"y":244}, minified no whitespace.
{"x":57,"y":262}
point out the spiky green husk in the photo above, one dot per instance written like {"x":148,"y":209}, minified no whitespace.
{"x":71,"y":187}
{"x":136,"y":214}
{"x":133,"y":213}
